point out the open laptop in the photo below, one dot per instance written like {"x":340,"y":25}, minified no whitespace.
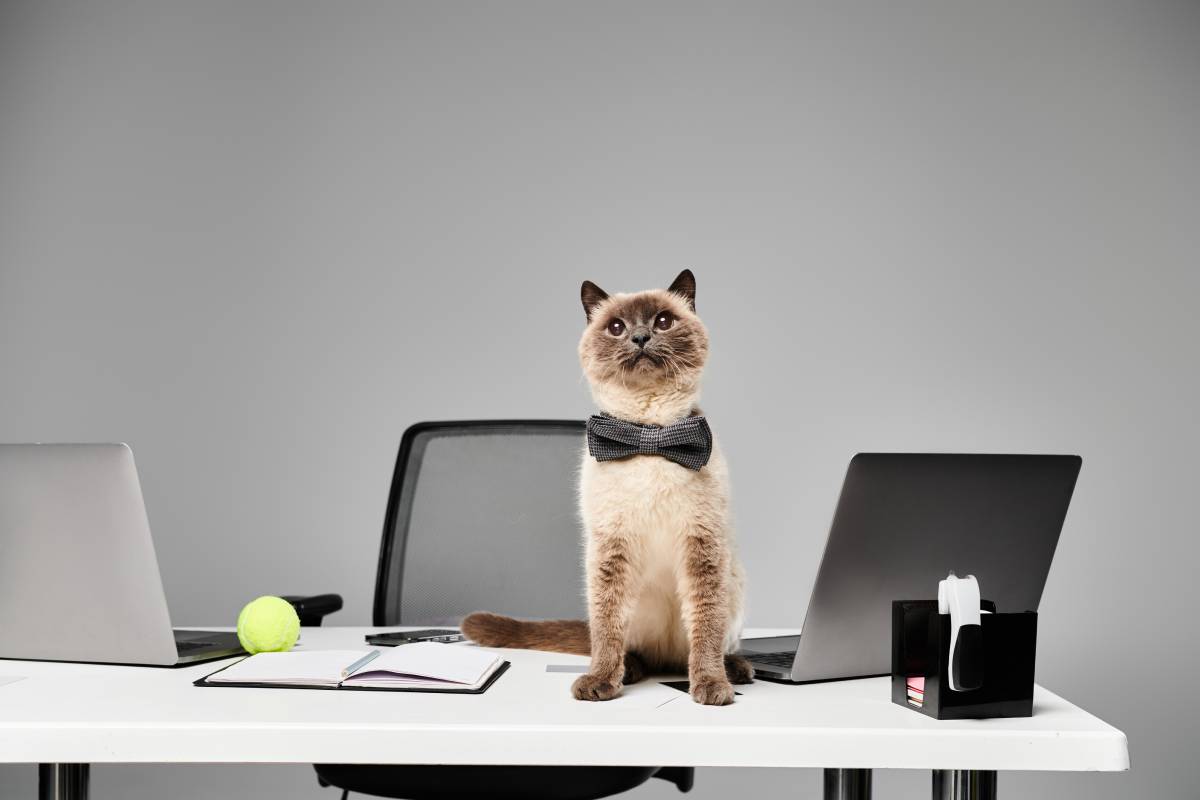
{"x":79,"y":579}
{"x":903,"y":522}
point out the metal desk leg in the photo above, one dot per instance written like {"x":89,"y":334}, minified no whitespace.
{"x":964,"y":784}
{"x":62,"y":781}
{"x":847,"y":784}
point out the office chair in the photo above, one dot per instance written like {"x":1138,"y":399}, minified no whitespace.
{"x":482,"y":515}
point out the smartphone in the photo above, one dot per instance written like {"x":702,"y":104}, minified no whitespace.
{"x":446,"y":635}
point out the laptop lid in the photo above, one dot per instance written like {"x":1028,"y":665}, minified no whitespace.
{"x":79,"y":580}
{"x":904,"y":521}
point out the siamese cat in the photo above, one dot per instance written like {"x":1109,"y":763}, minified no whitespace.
{"x":664,"y":585}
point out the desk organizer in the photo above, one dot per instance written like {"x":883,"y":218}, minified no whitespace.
{"x":921,"y":644}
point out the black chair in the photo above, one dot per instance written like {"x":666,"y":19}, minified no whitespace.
{"x":482,"y":515}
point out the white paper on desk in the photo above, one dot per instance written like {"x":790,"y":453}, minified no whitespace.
{"x":648,"y":694}
{"x":7,"y":679}
{"x":642,"y":696}
{"x":745,"y":696}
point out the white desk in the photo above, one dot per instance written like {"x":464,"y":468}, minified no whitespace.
{"x":76,"y":714}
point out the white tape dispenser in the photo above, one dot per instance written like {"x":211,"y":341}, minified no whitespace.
{"x":959,"y":597}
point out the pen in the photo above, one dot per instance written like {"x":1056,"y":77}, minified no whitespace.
{"x":362,"y":662}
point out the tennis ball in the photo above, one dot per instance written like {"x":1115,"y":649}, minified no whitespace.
{"x":268,"y":625}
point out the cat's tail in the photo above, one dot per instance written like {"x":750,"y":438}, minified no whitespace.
{"x":552,"y":635}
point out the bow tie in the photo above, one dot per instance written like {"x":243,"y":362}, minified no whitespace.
{"x":687,"y":442}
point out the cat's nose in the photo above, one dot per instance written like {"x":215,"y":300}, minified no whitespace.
{"x":640,"y":338}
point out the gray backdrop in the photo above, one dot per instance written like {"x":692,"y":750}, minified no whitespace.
{"x":257,"y":240}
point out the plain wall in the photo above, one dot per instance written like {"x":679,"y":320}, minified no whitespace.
{"x":257,"y":240}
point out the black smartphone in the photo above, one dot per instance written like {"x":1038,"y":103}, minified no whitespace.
{"x":393,"y":638}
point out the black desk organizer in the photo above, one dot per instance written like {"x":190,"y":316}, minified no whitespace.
{"x":921,"y":645}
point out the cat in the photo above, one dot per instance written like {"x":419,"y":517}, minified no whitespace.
{"x":664,"y":585}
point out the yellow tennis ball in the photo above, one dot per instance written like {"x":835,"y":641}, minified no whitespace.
{"x":268,"y":625}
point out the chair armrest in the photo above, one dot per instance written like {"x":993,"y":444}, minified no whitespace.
{"x":313,"y":608}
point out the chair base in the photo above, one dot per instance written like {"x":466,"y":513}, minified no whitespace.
{"x":439,"y":782}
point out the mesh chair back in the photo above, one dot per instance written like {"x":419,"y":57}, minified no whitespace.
{"x":482,"y":515}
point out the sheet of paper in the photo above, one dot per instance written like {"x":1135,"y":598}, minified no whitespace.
{"x":648,"y":694}
{"x":642,"y":696}
{"x":686,"y":687}
{"x":7,"y":679}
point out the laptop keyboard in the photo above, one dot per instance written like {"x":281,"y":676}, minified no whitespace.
{"x":783,"y":659}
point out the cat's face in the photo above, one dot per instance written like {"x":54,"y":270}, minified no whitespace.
{"x":645,"y":338}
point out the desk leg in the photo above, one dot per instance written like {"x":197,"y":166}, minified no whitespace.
{"x":964,"y":784}
{"x":847,"y":784}
{"x":62,"y":781}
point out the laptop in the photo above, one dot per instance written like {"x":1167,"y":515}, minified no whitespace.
{"x":79,"y":579}
{"x":902,"y":523}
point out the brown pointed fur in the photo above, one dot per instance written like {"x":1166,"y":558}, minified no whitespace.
{"x":552,"y":635}
{"x":664,"y":583}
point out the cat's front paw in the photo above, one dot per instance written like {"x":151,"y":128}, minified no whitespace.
{"x":595,"y":687}
{"x":712,"y":691}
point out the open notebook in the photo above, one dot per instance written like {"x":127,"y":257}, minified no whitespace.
{"x":420,"y":667}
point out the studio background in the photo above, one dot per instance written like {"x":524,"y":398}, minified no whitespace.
{"x":257,"y":240}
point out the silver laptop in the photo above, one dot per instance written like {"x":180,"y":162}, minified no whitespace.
{"x":903,"y":522}
{"x":78,"y":577}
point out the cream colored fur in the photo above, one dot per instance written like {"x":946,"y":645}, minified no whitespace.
{"x":657,"y":504}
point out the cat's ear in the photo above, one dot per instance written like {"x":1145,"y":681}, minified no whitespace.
{"x":592,"y":296}
{"x":685,"y":286}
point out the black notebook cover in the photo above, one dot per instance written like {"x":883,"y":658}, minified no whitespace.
{"x":246,"y":685}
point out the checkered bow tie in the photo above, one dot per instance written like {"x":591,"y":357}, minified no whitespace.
{"x":687,"y":442}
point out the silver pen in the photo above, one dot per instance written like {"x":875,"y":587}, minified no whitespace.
{"x":357,"y":665}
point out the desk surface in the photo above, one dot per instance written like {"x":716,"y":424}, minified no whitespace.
{"x":91,"y":713}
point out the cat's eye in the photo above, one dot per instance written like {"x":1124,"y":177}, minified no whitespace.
{"x":616,"y":327}
{"x":664,"y":320}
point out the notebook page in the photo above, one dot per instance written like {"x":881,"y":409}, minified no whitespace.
{"x":430,"y":661}
{"x":303,"y":667}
